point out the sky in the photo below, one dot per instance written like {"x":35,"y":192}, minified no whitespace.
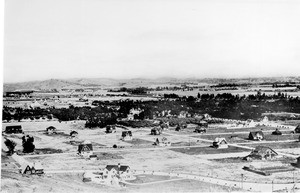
{"x":46,"y":39}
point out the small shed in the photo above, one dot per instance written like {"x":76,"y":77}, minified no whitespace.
{"x":31,"y":168}
{"x":156,"y":131}
{"x":85,"y":149}
{"x":51,"y":130}
{"x":126,"y":135}
{"x":256,"y":135}
{"x":276,"y":132}
{"x":220,"y":143}
{"x":13,"y":129}
{"x":73,"y":134}
{"x":110,"y":129}
{"x":203,"y":124}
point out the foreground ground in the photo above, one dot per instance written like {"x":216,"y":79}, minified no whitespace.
{"x":190,"y":153}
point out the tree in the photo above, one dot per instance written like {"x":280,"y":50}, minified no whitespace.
{"x":27,"y":143}
{"x":10,"y":145}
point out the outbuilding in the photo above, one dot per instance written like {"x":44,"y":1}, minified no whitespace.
{"x":13,"y":129}
{"x":220,"y":143}
{"x":256,"y":135}
{"x":126,"y":135}
{"x":51,"y":130}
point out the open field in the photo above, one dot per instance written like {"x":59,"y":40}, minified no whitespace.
{"x":189,"y":153}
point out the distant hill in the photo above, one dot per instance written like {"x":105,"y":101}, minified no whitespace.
{"x":136,"y":82}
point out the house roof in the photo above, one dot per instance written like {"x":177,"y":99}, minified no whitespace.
{"x":85,"y":147}
{"x":256,"y":132}
{"x":116,"y":167}
{"x":219,"y":140}
{"x":262,"y":150}
{"x":51,"y":128}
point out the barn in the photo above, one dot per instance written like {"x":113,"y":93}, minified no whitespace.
{"x":13,"y":129}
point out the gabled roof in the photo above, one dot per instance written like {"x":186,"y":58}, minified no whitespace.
{"x":219,"y":140}
{"x":262,"y":150}
{"x":116,"y":167}
{"x":253,"y":133}
{"x":85,"y":147}
{"x":25,"y":166}
{"x":51,"y":128}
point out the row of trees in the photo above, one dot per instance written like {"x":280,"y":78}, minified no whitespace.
{"x":220,"y":105}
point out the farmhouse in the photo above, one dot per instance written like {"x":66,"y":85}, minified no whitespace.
{"x":276,"y":132}
{"x":29,"y":168}
{"x":163,"y":142}
{"x":256,"y":135}
{"x":51,"y":130}
{"x":156,"y":131}
{"x":121,"y":171}
{"x":13,"y":129}
{"x":262,"y":153}
{"x":85,"y":149}
{"x":110,"y":129}
{"x":220,"y":143}
{"x":126,"y":136}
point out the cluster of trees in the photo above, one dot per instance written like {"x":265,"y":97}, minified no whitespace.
{"x":221,"y":105}
{"x":27,"y":143}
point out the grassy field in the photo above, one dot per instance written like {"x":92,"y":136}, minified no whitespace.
{"x":207,"y":150}
{"x":275,"y":145}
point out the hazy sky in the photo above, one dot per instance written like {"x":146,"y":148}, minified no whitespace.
{"x":154,"y":38}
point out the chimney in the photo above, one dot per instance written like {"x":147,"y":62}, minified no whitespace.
{"x":119,"y":166}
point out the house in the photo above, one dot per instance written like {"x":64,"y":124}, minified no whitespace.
{"x":297,"y":129}
{"x":164,"y":126}
{"x":256,"y":135}
{"x":203,"y":124}
{"x":85,"y":149}
{"x":265,"y":119}
{"x":200,"y":129}
{"x":110,"y":129}
{"x":29,"y":168}
{"x":156,"y":131}
{"x":163,"y":142}
{"x":183,"y":114}
{"x":220,"y":143}
{"x":13,"y":129}
{"x":51,"y":130}
{"x":133,"y":112}
{"x":126,"y":136}
{"x":276,"y":132}
{"x":73,"y":134}
{"x":251,"y":123}
{"x":262,"y":153}
{"x":121,"y":171}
